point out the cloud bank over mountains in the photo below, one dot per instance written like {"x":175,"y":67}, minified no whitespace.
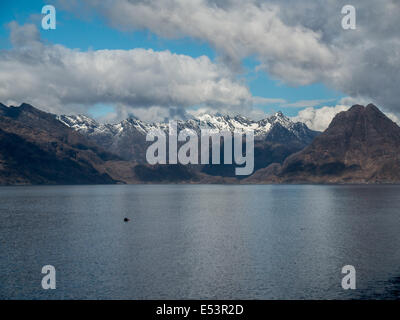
{"x":299,"y":42}
{"x":56,"y":76}
{"x":237,"y":29}
{"x":296,"y":42}
{"x":319,"y":119}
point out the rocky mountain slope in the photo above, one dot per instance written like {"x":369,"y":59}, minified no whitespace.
{"x":35,"y":148}
{"x":361,"y":145}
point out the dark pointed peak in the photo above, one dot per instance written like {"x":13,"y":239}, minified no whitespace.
{"x":369,"y":109}
{"x":368,"y":114}
{"x":26,"y":106}
{"x":279,"y":114}
{"x":357,"y":108}
{"x":27,"y":110}
{"x":372,"y":107}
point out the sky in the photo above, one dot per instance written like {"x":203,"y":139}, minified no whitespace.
{"x":158,"y":60}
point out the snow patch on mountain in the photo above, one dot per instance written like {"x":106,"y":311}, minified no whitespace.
{"x":88,"y":126}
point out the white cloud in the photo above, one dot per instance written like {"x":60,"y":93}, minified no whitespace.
{"x":55,"y":77}
{"x":148,"y":114}
{"x":237,"y":29}
{"x":319,"y":119}
{"x":299,"y":42}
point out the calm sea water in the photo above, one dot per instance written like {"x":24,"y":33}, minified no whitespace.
{"x":200,"y":241}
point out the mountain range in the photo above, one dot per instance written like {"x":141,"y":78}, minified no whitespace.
{"x":276,"y":138}
{"x":360,"y":146}
{"x":127,"y":138}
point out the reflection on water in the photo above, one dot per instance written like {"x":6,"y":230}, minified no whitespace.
{"x":200,"y":241}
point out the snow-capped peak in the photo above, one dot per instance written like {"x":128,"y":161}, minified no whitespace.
{"x":261,"y":128}
{"x":78,"y":122}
